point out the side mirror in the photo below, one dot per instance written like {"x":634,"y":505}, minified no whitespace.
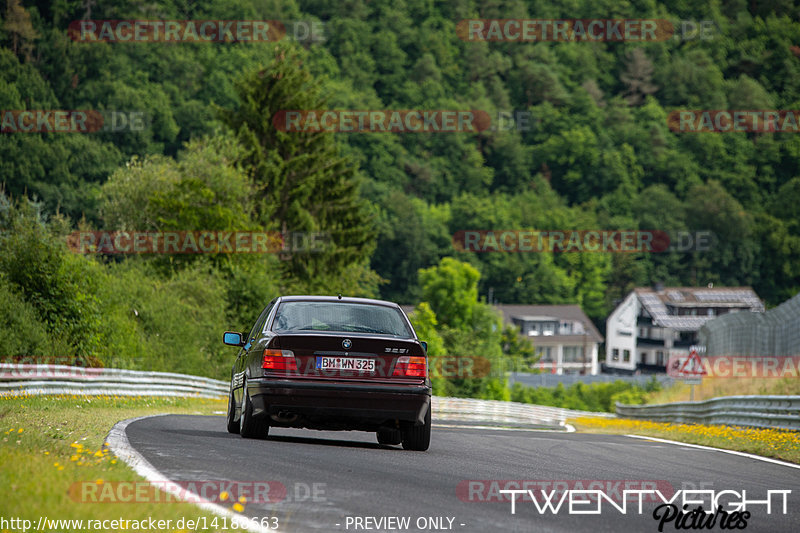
{"x":232,"y":338}
{"x":424,"y":346}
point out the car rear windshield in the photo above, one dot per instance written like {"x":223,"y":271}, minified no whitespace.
{"x":340,"y":316}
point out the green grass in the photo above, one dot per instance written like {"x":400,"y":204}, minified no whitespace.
{"x":775,"y":443}
{"x":50,"y":444}
{"x":718,"y":387}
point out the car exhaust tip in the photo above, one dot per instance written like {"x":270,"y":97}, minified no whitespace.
{"x":284,"y":417}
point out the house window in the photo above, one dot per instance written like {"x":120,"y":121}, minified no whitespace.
{"x":660,"y":358}
{"x":573,"y":354}
{"x":548,"y":329}
{"x":626,"y":356}
{"x":545,"y":353}
{"x":615,"y":354}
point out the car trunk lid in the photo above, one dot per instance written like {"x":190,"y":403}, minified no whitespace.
{"x":357,"y":357}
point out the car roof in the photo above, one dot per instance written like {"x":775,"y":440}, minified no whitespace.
{"x":336,"y":299}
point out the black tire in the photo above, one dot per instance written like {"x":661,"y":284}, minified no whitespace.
{"x":389,"y":436}
{"x":233,"y":424}
{"x":418,"y":438}
{"x":250,"y":427}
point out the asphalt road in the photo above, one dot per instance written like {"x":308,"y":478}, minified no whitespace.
{"x":333,"y":479}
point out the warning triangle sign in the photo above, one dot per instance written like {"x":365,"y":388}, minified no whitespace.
{"x":692,"y":366}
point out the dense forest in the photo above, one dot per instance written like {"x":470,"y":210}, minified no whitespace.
{"x":596,"y":151}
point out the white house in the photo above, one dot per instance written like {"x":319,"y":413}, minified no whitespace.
{"x":651,"y":324}
{"x":562,"y":335}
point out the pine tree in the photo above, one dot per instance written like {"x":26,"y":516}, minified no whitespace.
{"x":302,"y":182}
{"x":18,"y":24}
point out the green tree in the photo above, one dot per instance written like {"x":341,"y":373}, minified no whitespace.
{"x":202,"y":190}
{"x":424,"y":321}
{"x":518,"y":350}
{"x":451,"y":289}
{"x":412,"y":235}
{"x":302,"y":183}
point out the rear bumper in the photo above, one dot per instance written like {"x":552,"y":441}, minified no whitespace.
{"x":362,"y":403}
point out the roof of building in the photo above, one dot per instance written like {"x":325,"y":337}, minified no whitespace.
{"x":657,"y":303}
{"x":545,"y":313}
{"x":572,"y":313}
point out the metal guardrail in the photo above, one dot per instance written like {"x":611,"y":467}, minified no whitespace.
{"x":29,"y":379}
{"x":19,"y":379}
{"x":780,"y":412}
{"x":496,"y":411}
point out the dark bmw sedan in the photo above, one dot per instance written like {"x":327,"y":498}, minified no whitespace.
{"x":332,"y":363}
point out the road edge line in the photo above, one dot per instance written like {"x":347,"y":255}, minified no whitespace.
{"x":711,"y":448}
{"x":498,"y":428}
{"x":118,"y":442}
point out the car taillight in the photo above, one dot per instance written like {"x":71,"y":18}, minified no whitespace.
{"x":412,"y":367}
{"x":279,"y":360}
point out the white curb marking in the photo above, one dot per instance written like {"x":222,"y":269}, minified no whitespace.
{"x":118,"y":442}
{"x":732,"y":452}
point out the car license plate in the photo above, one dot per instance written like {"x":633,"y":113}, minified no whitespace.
{"x":346,"y":363}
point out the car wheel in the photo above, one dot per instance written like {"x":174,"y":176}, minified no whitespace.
{"x":233,"y":424}
{"x":418,"y":438}
{"x":250,"y":427}
{"x":389,"y":436}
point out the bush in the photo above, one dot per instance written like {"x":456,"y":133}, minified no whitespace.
{"x":629,"y":397}
{"x":172,"y":323}
{"x":59,"y":286}
{"x":598,"y":397}
{"x":55,"y":304}
{"x":23,"y":333}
